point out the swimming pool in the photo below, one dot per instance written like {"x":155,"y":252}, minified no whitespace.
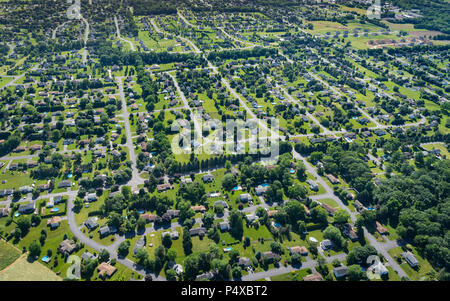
{"x":45,"y":259}
{"x":56,"y":209}
{"x":264,"y":185}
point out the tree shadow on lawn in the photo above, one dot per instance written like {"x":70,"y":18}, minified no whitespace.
{"x":162,"y":226}
{"x":130,"y":234}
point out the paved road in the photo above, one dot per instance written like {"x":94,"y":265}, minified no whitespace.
{"x":158,"y":30}
{"x":17,"y":77}
{"x":136,"y":179}
{"x":382,"y":249}
{"x":287,"y":269}
{"x":120,"y":38}
{"x":56,"y":29}
{"x":85,"y":39}
{"x":325,"y":131}
{"x":186,"y":21}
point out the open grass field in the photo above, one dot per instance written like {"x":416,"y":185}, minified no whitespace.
{"x":4,"y":81}
{"x":322,"y":27}
{"x":22,"y":270}
{"x":8,"y":254}
{"x":330,"y":202}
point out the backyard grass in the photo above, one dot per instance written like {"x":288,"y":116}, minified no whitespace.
{"x":330,"y":202}
{"x":22,"y":270}
{"x":292,"y":276}
{"x":444,"y":150}
{"x":424,"y":266}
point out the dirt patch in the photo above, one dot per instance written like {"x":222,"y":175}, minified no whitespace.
{"x":426,"y":33}
{"x":409,"y":41}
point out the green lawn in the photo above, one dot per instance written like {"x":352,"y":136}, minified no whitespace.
{"x":22,"y":270}
{"x":424,"y":265}
{"x":8,"y":254}
{"x":292,"y":276}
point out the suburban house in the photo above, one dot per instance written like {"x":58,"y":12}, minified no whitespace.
{"x":64,"y":184}
{"x":197,"y":231}
{"x":350,"y":233}
{"x":298,"y":250}
{"x":91,"y":197}
{"x":106,"y":270}
{"x":4,"y":212}
{"x":251,"y":217}
{"x":27,"y":208}
{"x":271,"y":213}
{"x":148,"y":217}
{"x":329,"y":209}
{"x":91,"y":223}
{"x":244,"y":262}
{"x":381,"y":229}
{"x":207,"y":275}
{"x":359,"y":206}
{"x":269,"y":255}
{"x":67,"y":247}
{"x":326,"y":244}
{"x":58,"y":199}
{"x":340,"y":272}
{"x":245,"y":197}
{"x":410,"y":259}
{"x":26,"y":189}
{"x":106,"y":230}
{"x":43,"y":187}
{"x":208,"y":178}
{"x":313,"y":185}
{"x":220,"y":203}
{"x":54,"y":222}
{"x":173,"y":235}
{"x":260,"y":190}
{"x":173,"y":213}
{"x":224,"y":226}
{"x":200,"y":208}
{"x":87,"y":255}
{"x":178,"y":268}
{"x":332,"y":179}
{"x":163,"y":187}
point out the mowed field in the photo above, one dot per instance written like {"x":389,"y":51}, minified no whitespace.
{"x":15,"y":267}
{"x":8,"y":254}
{"x":322,"y":27}
{"x":22,"y":270}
